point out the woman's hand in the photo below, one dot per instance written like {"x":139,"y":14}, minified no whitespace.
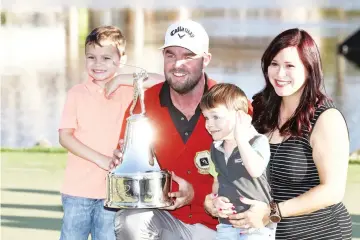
{"x":256,"y":217}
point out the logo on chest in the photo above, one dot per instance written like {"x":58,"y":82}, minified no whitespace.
{"x":238,"y":160}
{"x":202,"y":161}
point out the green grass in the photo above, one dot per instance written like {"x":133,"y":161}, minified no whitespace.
{"x":43,"y":160}
{"x":354,"y":173}
{"x":35,"y":149}
{"x":40,"y":190}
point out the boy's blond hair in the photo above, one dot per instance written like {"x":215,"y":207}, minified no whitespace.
{"x":107,"y":33}
{"x":226,"y":94}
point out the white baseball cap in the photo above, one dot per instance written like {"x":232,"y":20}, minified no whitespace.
{"x":187,"y":34}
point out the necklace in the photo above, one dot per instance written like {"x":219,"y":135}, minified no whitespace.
{"x":272,"y":156}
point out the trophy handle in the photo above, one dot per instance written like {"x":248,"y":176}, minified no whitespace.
{"x":139,"y":78}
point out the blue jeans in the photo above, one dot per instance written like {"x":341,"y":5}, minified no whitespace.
{"x":228,"y":232}
{"x":84,"y":216}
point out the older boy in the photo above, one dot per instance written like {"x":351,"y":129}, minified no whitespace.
{"x":89,"y":130}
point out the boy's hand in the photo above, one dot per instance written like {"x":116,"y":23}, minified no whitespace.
{"x":117,"y":157}
{"x":209,"y":205}
{"x":104,"y":162}
{"x":224,"y":206}
{"x":243,"y":129}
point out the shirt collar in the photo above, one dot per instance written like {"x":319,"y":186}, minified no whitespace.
{"x":219,"y":145}
{"x":93,"y":87}
{"x":165,"y":99}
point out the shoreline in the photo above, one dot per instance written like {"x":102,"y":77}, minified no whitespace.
{"x":354,"y":157}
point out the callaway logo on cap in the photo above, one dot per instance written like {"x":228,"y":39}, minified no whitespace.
{"x":187,"y":34}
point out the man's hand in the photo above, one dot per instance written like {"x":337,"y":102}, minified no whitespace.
{"x":185,"y":194}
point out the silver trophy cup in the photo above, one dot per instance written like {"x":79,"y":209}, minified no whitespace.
{"x":138,"y":182}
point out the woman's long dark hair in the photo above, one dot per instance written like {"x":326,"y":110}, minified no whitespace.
{"x":266,"y":103}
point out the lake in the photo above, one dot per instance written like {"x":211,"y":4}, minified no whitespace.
{"x":42,"y":51}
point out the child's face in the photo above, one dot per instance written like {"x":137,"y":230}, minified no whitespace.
{"x":102,"y":63}
{"x":220,"y":122}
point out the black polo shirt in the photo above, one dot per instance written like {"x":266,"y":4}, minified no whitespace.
{"x":184,"y":127}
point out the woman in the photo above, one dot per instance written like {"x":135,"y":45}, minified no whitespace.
{"x":309,"y":146}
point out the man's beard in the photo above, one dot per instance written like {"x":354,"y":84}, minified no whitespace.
{"x":185,"y":87}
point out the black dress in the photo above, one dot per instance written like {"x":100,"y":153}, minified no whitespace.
{"x":292,"y":173}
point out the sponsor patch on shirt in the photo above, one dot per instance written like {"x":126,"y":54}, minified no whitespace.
{"x":202,"y":161}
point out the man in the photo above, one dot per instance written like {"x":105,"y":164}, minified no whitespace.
{"x":173,"y":109}
{"x":182,"y":143}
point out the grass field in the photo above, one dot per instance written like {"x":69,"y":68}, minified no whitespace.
{"x":30,"y":200}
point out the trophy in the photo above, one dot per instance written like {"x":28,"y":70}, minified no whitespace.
{"x":138,"y":182}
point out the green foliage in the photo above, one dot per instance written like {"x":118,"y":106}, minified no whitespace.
{"x":3,"y":18}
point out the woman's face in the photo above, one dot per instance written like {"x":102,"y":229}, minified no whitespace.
{"x":287,"y":73}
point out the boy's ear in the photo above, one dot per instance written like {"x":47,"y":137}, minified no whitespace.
{"x":123,"y":59}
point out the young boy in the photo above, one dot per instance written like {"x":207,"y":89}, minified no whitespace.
{"x":89,"y":130}
{"x":240,"y":156}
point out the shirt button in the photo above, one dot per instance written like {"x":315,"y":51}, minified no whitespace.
{"x":186,"y":134}
{"x":188,"y":171}
{"x":190,"y":215}
{"x":182,"y":118}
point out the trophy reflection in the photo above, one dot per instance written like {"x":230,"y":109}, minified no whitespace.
{"x":138,"y":182}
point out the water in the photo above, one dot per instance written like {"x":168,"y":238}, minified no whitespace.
{"x":42,"y":55}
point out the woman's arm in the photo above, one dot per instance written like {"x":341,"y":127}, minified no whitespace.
{"x":330,"y":144}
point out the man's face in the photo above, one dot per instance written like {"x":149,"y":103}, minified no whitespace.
{"x":182,"y":68}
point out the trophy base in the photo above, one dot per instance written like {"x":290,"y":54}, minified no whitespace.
{"x":139,"y":190}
